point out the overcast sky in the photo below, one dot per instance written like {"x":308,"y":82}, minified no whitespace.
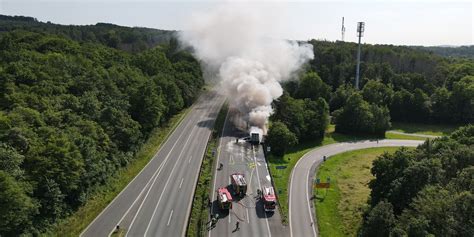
{"x":387,"y":22}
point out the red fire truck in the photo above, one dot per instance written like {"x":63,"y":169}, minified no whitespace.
{"x":238,"y":184}
{"x":224,"y":198}
{"x":267,"y":195}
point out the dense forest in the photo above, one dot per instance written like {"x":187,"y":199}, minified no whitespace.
{"x":424,"y":192}
{"x":398,"y":83}
{"x":73,"y":111}
{"x":450,"y":51}
{"x":134,"y":39}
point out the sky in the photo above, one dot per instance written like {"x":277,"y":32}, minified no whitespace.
{"x":402,"y":22}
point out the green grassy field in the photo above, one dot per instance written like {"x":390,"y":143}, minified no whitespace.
{"x":389,"y":135}
{"x":200,"y":209}
{"x":281,"y":176}
{"x":339,"y":209}
{"x":78,"y":221}
{"x":428,"y":129}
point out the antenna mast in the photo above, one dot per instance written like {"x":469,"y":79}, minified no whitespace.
{"x":360,"y":33}
{"x":343,"y":30}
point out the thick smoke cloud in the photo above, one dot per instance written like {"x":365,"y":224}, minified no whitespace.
{"x":250,"y":66}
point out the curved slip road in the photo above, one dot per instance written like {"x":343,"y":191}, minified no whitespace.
{"x":157,"y":202}
{"x":302,"y":221}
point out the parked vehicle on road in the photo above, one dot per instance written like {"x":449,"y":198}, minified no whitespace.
{"x":224,"y":199}
{"x":255,"y":138}
{"x":267,"y":195}
{"x":239,"y":185}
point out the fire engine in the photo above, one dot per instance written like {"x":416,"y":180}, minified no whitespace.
{"x":224,"y":198}
{"x":238,"y":184}
{"x":267,"y":195}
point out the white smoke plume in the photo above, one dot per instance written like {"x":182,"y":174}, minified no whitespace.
{"x":250,"y":65}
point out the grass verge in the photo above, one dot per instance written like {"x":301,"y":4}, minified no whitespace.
{"x":281,"y":167}
{"x":79,"y":220}
{"x":200,"y":209}
{"x":339,"y":209}
{"x":389,"y":135}
{"x":427,"y":129}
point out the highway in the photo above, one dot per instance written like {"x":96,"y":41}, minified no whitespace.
{"x":157,"y":202}
{"x":244,"y":158}
{"x":302,"y":220}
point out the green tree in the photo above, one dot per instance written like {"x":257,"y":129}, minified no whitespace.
{"x":10,"y":161}
{"x":311,"y":86}
{"x":379,"y":221}
{"x":340,"y":96}
{"x":376,"y":92}
{"x":380,"y":120}
{"x":463,"y":99}
{"x":153,"y":61}
{"x":358,"y":116}
{"x":280,"y":138}
{"x":17,"y":208}
{"x":291,"y":112}
{"x":441,"y":105}
{"x":316,"y":118}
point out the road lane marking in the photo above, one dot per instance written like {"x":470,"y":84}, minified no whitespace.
{"x":153,"y":177}
{"x":309,"y":207}
{"x":160,"y":168}
{"x":260,"y":186}
{"x":149,"y":162}
{"x":248,"y":218}
{"x":180,"y":184}
{"x":202,"y":153}
{"x":250,"y":189}
{"x":169,"y":219}
{"x":190,"y":158}
{"x":217,"y":162}
{"x":168,"y":180}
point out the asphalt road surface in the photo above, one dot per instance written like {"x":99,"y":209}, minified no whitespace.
{"x":157,"y":202}
{"x":244,"y":158}
{"x":302,"y":221}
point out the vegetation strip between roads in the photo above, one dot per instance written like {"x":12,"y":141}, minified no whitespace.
{"x":200,"y":208}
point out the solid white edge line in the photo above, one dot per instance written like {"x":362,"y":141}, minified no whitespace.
{"x":260,"y":187}
{"x":153,"y":183}
{"x":188,"y":212}
{"x":153,"y":177}
{"x":168,"y":180}
{"x":217,"y":163}
{"x":170,"y":133}
{"x":309,"y":203}
{"x":160,"y":168}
